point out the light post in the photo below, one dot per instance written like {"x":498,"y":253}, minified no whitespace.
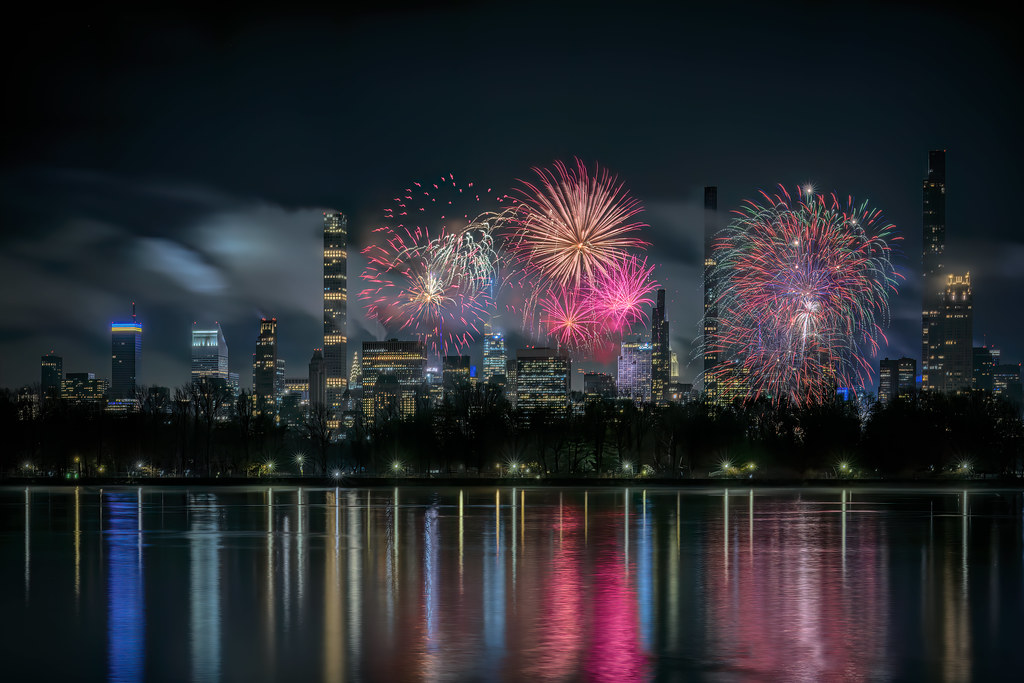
{"x":299,"y":459}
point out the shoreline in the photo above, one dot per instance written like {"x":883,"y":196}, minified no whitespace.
{"x":521,"y":482}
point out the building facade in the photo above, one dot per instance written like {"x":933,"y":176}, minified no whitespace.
{"x":896,"y":377}
{"x":932,"y":270}
{"x":51,"y":368}
{"x":125,"y":357}
{"x":393,"y":378}
{"x":710,"y":331}
{"x":209,"y":354}
{"x":317,"y":381}
{"x":543,"y":378}
{"x":495,"y":354}
{"x":335,"y":312}
{"x":661,"y":357}
{"x":633,"y":380}
{"x":951,"y":338}
{"x":265,"y":382}
{"x":598,"y":386}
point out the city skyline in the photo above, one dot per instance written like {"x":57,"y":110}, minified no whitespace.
{"x":209,"y":233}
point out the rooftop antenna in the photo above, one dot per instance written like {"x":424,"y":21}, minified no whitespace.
{"x":133,"y":311}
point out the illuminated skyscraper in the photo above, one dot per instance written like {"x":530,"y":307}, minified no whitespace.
{"x":398,"y":366}
{"x":125,"y":357}
{"x":661,"y":358}
{"x":209,"y":354}
{"x":265,"y":368}
{"x":934,"y":284}
{"x":355,"y":373}
{"x":542,"y":382}
{"x":80,"y":388}
{"x":634,"y":371}
{"x":335,"y":310}
{"x":495,"y":354}
{"x":950,"y":338}
{"x":51,"y":375}
{"x":710,"y":307}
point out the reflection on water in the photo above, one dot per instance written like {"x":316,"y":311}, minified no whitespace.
{"x":513,"y":583}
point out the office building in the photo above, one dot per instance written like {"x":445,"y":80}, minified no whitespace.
{"x":661,"y":359}
{"x":896,"y":377}
{"x":634,"y":371}
{"x":51,"y":375}
{"x":542,"y":382}
{"x":399,"y":367}
{"x":209,"y":354}
{"x":125,"y":357}
{"x":1006,"y":382}
{"x":932,"y":267}
{"x":82,"y":388}
{"x":710,"y":345}
{"x":984,"y":360}
{"x":598,"y":386}
{"x":495,"y":354}
{"x":675,"y":367}
{"x":455,"y":374}
{"x":265,"y":383}
{"x":335,"y":311}
{"x":317,"y":379}
{"x":950,"y":338}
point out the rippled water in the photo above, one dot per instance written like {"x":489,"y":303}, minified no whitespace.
{"x":453,"y":584}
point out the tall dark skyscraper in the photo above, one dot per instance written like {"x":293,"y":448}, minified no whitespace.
{"x":932,"y":269}
{"x":710,"y":308}
{"x":51,"y":375}
{"x":264,"y":368}
{"x":335,"y":311}
{"x":952,"y":364}
{"x":125,"y":357}
{"x":896,"y":377}
{"x":661,"y":356}
{"x":317,"y":380}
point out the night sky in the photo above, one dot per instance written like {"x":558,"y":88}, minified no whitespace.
{"x":183,"y":162}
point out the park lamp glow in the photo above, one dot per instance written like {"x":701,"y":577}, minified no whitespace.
{"x":627,"y":466}
{"x":337,"y":474}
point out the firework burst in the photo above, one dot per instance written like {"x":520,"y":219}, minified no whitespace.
{"x":803,"y":287}
{"x":571,"y":226}
{"x":432,"y":269}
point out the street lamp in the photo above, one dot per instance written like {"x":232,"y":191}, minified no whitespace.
{"x":299,"y":458}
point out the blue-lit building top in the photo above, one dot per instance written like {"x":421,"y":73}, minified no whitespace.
{"x":125,"y":356}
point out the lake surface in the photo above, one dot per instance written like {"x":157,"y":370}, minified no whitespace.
{"x":474,"y":584}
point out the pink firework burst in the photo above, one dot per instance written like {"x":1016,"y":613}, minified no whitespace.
{"x":568,"y":316}
{"x":619,"y":295}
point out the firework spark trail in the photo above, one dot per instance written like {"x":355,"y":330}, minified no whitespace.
{"x":432,"y":269}
{"x":619,"y":296}
{"x":569,"y":317}
{"x":803,"y":287}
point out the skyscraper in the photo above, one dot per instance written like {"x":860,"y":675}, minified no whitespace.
{"x":392,"y":370}
{"x":265,"y":368}
{"x":51,"y":375}
{"x":317,"y":381}
{"x":950,"y":338}
{"x":710,"y":307}
{"x":932,"y":270}
{"x":897,"y":377}
{"x":983,"y":363}
{"x":661,"y":358}
{"x":495,"y":354}
{"x":634,"y":371}
{"x":542,"y":382}
{"x":125,"y":357}
{"x":209,"y":354}
{"x":335,"y":311}
{"x":355,"y":373}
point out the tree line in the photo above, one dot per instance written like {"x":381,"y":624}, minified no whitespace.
{"x":198,"y":431}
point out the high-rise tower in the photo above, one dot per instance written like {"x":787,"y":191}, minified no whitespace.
{"x":209,"y":354}
{"x":661,"y":357}
{"x":317,"y":383}
{"x":125,"y":356}
{"x":264,"y":368}
{"x":51,"y":375}
{"x":934,"y":285}
{"x":335,"y":311}
{"x":495,"y":354}
{"x":710,"y":307}
{"x":952,"y":337}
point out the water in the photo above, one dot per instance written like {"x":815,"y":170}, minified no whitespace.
{"x":253,"y":584}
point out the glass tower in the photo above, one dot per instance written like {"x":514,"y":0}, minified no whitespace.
{"x":209,"y":354}
{"x":710,"y":307}
{"x":125,"y":356}
{"x":933,"y":247}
